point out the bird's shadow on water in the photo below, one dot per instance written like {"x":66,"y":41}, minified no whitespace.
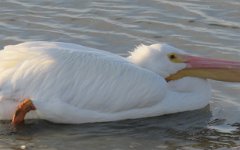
{"x":190,"y":122}
{"x":174,"y":129}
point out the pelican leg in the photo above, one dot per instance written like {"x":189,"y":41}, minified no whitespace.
{"x":22,"y":109}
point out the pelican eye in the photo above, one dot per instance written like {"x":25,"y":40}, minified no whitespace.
{"x":174,"y":58}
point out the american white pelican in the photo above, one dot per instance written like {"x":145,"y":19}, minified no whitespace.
{"x":69,"y":83}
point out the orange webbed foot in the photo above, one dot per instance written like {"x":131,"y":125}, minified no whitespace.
{"x":22,"y":109}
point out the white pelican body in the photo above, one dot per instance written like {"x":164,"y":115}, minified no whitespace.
{"x":70,"y":83}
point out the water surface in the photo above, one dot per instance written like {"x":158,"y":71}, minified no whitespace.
{"x":208,"y":28}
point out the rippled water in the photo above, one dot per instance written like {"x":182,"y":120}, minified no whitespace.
{"x":208,"y":28}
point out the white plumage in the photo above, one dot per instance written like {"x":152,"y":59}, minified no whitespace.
{"x":70,"y":83}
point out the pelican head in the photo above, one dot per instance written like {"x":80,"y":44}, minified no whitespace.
{"x":172,"y":64}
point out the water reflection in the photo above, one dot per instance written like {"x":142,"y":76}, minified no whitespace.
{"x":164,"y":130}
